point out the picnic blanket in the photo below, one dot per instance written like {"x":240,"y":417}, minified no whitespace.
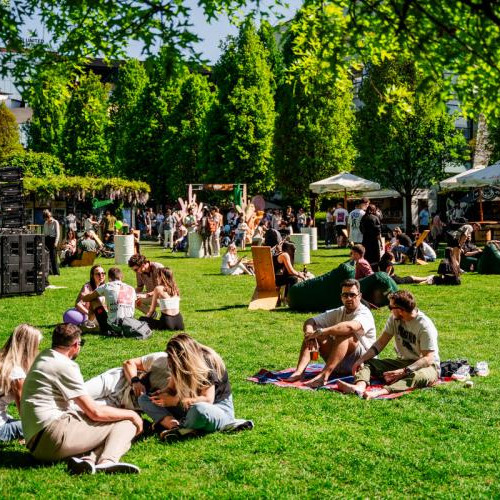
{"x":279,"y":378}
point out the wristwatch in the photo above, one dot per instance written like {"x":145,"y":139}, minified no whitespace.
{"x":319,"y":331}
{"x":408,"y":370}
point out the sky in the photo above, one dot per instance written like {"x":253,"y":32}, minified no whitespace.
{"x":212,"y":34}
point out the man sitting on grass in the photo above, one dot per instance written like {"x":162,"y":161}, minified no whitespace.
{"x":341,"y":335}
{"x":54,"y":431}
{"x":416,"y":345}
{"x":363,"y":267}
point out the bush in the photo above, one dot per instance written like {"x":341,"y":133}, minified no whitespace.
{"x":40,"y":165}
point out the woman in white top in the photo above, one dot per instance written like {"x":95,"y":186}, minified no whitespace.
{"x":231,"y":264}
{"x":16,"y":358}
{"x":167,"y":296}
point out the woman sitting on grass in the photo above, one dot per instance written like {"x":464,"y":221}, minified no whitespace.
{"x":167,"y":296}
{"x":198,"y":396}
{"x":232,"y":265}
{"x":97,"y":278}
{"x":448,"y":270}
{"x":386,"y":265}
{"x":16,"y":358}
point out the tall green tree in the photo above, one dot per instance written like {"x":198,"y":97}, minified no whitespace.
{"x":127,"y":102}
{"x":49,"y":92}
{"x":240,"y":136}
{"x":186,"y":128}
{"x":85,"y":145}
{"x":9,"y":133}
{"x":315,"y":124}
{"x":404,"y":151}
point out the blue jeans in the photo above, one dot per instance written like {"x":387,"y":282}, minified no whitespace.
{"x":11,"y":430}
{"x":201,"y":416}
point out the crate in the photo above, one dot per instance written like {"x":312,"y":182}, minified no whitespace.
{"x":11,"y":190}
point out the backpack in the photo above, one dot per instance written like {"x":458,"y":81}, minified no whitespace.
{"x":132,"y":328}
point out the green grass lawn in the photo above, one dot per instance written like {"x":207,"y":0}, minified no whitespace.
{"x":442,"y":442}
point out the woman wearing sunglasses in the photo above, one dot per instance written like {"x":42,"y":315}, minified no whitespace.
{"x":82,"y":313}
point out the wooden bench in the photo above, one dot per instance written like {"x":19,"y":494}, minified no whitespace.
{"x":87,"y":259}
{"x":266,"y":295}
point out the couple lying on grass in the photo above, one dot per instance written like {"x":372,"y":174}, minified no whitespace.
{"x":93,"y":424}
{"x":345,"y":338}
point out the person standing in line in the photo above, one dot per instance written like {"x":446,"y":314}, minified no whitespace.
{"x":423,"y":219}
{"x":329,"y":228}
{"x":52,"y":233}
{"x":340,"y":214}
{"x":354,"y":220}
{"x":169,"y":229}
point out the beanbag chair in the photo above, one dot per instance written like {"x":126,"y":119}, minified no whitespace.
{"x":321,"y":293}
{"x":489,"y":263}
{"x":376,"y":287}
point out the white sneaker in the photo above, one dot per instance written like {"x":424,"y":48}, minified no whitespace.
{"x":79,"y":466}
{"x":117,"y":468}
{"x":238,"y":425}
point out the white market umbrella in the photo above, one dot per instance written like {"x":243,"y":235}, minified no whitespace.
{"x":453,"y":181}
{"x":343,"y":182}
{"x":481,"y":177}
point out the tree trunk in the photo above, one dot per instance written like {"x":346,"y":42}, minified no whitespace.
{"x":408,"y":219}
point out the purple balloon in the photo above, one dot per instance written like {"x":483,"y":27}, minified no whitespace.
{"x":73,"y":316}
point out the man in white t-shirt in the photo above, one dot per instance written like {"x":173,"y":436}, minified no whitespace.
{"x":416,"y":340}
{"x":54,"y":431}
{"x":340,"y":214}
{"x":120,"y":387}
{"x":120,"y":299}
{"x":340,"y":335}
{"x":354,"y":219}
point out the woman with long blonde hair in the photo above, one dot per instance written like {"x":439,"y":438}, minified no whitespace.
{"x":167,"y":296}
{"x":16,"y":358}
{"x":197,"y":398}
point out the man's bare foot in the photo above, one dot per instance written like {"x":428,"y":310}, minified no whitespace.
{"x":347,"y":388}
{"x":292,"y":378}
{"x":375,"y":394}
{"x":317,"y":381}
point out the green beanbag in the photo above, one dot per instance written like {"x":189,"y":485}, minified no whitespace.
{"x":321,"y":293}
{"x":376,"y":287}
{"x":489,"y":262}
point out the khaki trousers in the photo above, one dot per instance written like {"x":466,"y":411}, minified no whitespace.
{"x":376,"y":368}
{"x":75,"y":434}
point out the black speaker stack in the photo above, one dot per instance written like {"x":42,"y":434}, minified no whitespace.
{"x":23,"y":257}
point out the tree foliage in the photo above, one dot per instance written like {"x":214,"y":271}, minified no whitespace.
{"x":9,"y":132}
{"x":126,"y":109}
{"x":404,"y":151}
{"x":48,"y":93}
{"x":186,"y":129}
{"x":241,"y":124}
{"x":85,"y":145}
{"x":315,"y":124}
{"x":457,"y":40}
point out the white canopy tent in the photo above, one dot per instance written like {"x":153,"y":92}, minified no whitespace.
{"x":481,"y":177}
{"x":453,"y":182}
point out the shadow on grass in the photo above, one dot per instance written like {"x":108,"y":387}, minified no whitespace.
{"x":223,"y":308}
{"x":52,"y":325}
{"x":15,"y":459}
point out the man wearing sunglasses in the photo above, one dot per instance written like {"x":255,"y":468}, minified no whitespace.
{"x":340,"y":335}
{"x":54,"y":430}
{"x":416,"y":340}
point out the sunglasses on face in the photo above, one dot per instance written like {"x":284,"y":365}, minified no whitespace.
{"x":349,"y":295}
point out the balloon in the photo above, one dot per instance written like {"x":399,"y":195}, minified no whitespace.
{"x":74,"y":317}
{"x":118,"y":224}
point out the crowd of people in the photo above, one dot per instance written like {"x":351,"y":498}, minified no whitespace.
{"x":185,"y":390}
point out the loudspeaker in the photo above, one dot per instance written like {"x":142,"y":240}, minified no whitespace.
{"x":24,"y":263}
